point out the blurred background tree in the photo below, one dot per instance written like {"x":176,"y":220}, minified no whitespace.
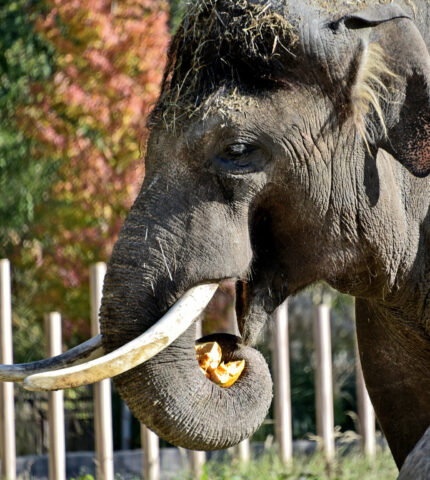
{"x":177,"y":8}
{"x":26,"y":58}
{"x":78,"y":80}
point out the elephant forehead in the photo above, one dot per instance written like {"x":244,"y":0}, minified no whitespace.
{"x":222,"y":44}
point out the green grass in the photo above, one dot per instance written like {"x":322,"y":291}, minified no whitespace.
{"x":268,"y":467}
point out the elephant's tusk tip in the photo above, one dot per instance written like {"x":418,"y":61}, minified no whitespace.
{"x":28,"y":385}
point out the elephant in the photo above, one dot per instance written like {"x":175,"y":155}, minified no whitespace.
{"x":290,"y":144}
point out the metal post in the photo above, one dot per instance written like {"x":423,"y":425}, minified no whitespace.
{"x":57,"y":443}
{"x":366,"y":414}
{"x":197,"y":458}
{"x":7,"y":405}
{"x":102,"y":390}
{"x":324,"y":381}
{"x":151,"y":453}
{"x":281,"y":364}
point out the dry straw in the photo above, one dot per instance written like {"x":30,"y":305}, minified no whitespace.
{"x":368,"y":89}
{"x":219,"y":46}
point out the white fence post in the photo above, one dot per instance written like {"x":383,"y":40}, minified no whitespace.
{"x":151,"y":453}
{"x":102,"y":390}
{"x":281,"y":370}
{"x":243,"y":451}
{"x":324,"y":381}
{"x":366,"y":414}
{"x":197,"y":458}
{"x":126,"y":419}
{"x":7,"y":404}
{"x":57,"y":443}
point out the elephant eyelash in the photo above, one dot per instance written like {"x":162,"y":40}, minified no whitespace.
{"x":369,"y":87}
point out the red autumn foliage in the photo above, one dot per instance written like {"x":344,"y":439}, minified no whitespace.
{"x":90,"y":118}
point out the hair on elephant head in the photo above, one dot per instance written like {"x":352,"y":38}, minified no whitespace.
{"x":288,"y":146}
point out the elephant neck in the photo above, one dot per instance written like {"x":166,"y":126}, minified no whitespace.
{"x":398,"y":243}
{"x":394,"y":354}
{"x":407,"y":302}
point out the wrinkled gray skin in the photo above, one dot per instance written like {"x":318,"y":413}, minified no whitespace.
{"x":312,"y":204}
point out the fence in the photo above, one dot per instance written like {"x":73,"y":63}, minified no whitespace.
{"x":150,"y":442}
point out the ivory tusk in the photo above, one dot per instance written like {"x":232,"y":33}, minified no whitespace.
{"x":173,"y":324}
{"x":84,"y":352}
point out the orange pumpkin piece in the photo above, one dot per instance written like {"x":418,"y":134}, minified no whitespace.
{"x":227,"y":373}
{"x":208,"y":355}
{"x":223,"y":374}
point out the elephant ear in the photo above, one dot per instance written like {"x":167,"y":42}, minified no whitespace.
{"x":400,"y":65}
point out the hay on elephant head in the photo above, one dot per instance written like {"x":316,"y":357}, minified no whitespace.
{"x":224,"y":48}
{"x":221,"y":45}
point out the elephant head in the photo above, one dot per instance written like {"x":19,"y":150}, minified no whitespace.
{"x":284,"y":148}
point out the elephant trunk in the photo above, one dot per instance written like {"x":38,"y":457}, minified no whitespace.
{"x":169,"y":393}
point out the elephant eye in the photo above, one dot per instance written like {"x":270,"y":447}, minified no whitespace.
{"x":238,"y":150}
{"x":239,"y":158}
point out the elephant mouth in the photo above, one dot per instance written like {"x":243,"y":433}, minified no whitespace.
{"x":214,"y":360}
{"x":88,"y":363}
{"x":242,"y":300}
